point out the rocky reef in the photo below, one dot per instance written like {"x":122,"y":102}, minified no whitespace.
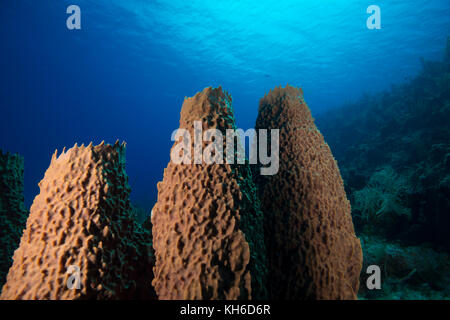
{"x":207,"y":225}
{"x":81,"y":233}
{"x":12,"y":209}
{"x":312,"y":249}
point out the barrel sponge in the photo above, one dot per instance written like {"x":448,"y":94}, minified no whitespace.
{"x":207,"y":224}
{"x":82,"y":220}
{"x":312,"y":249}
{"x":12,"y":209}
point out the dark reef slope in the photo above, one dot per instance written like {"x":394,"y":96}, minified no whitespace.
{"x":312,"y":249}
{"x":207,"y":225}
{"x":12,"y":209}
{"x":393,"y":151}
{"x":82,"y":218}
{"x":395,"y":147}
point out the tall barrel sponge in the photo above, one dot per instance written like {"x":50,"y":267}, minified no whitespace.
{"x":207,"y":224}
{"x":12,"y":209}
{"x":81,"y":228}
{"x":312,"y":249}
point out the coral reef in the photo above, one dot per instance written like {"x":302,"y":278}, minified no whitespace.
{"x":312,"y":249}
{"x":82,"y":221}
{"x":381,"y":204}
{"x":407,"y":129}
{"x":207,"y":225}
{"x":407,"y":272}
{"x":139,"y":213}
{"x":393,"y":150}
{"x":12,"y":209}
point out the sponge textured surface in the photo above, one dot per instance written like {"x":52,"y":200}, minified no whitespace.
{"x":81,"y":221}
{"x":312,"y":249}
{"x":207,"y":225}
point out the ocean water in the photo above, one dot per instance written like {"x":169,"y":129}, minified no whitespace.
{"x":125,"y":73}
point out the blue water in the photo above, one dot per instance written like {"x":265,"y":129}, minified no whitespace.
{"x":125,"y":74}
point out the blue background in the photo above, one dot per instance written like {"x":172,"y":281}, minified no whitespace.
{"x":125,"y":74}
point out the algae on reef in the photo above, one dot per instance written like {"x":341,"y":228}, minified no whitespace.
{"x":12,"y":209}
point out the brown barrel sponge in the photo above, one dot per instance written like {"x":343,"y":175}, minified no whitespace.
{"x":12,"y":209}
{"x":81,"y":221}
{"x":312,"y":249}
{"x":207,"y":224}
